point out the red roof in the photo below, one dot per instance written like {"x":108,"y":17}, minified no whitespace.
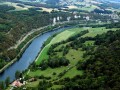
{"x":17,"y":83}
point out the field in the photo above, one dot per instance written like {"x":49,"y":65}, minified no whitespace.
{"x":88,"y":8}
{"x":83,"y":6}
{"x":26,"y":7}
{"x":94,"y":31}
{"x":60,"y":37}
{"x":73,"y":55}
{"x":17,"y":8}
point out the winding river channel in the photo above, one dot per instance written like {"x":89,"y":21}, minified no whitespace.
{"x":29,"y":55}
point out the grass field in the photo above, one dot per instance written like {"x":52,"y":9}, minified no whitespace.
{"x":55,"y":87}
{"x":89,"y":8}
{"x":58,"y":38}
{"x":86,"y":7}
{"x":62,"y":36}
{"x":94,"y":31}
{"x":48,"y":72}
{"x":72,"y":73}
{"x":33,"y":84}
{"x":89,"y":42}
{"x":17,"y":8}
{"x":73,"y":55}
{"x":26,"y":7}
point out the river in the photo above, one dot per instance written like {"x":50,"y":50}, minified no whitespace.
{"x":28,"y":56}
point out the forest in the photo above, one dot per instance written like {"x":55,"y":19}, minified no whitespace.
{"x":101,"y":70}
{"x":14,"y":25}
{"x":100,"y":64}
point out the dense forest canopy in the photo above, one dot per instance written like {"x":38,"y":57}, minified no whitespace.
{"x":14,"y":25}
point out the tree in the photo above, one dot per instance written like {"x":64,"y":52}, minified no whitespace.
{"x":7,"y":81}
{"x":2,"y":87}
{"x":43,"y":85}
{"x":17,"y":74}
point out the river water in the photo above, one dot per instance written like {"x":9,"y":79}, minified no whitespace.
{"x":29,"y":55}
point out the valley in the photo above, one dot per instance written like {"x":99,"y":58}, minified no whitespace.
{"x":59,"y":44}
{"x":74,"y":55}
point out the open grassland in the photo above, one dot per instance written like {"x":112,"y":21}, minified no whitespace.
{"x":48,"y":9}
{"x":89,"y":42}
{"x":43,"y":54}
{"x":88,"y":8}
{"x":58,"y":38}
{"x":26,"y":7}
{"x":62,"y":36}
{"x":17,"y":8}
{"x":94,"y":31}
{"x":74,"y":56}
{"x":55,"y":87}
{"x":83,"y":6}
{"x":72,"y":73}
{"x":72,"y":7}
{"x":33,"y":84}
{"x":48,"y":72}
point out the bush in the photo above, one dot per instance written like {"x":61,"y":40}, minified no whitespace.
{"x":54,"y":73}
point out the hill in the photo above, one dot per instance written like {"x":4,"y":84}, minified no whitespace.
{"x":82,"y":61}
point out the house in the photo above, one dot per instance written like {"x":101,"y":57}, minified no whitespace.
{"x":17,"y":83}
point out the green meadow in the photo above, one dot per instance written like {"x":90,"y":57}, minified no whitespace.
{"x":58,"y":38}
{"x":74,"y":56}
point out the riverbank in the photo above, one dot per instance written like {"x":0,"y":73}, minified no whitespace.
{"x":74,"y":55}
{"x":20,"y":53}
{"x":39,"y":32}
{"x":58,"y":73}
{"x":56,"y":39}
